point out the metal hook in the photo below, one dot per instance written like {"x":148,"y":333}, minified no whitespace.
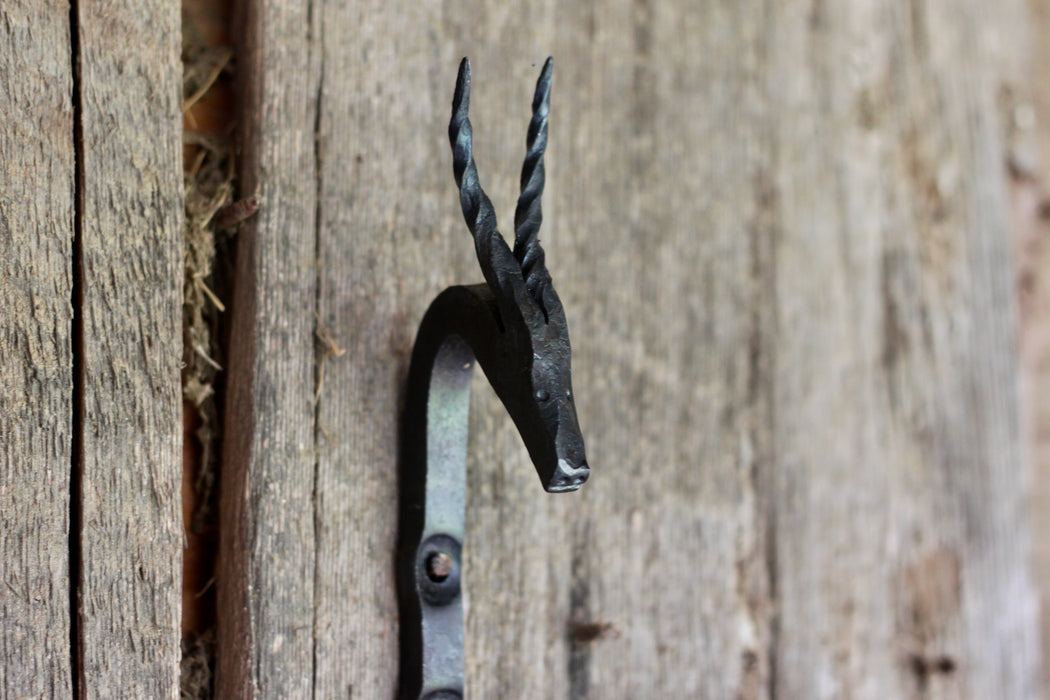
{"x":514,"y":325}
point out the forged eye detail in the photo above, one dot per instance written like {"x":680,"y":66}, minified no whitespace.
{"x":543,"y":395}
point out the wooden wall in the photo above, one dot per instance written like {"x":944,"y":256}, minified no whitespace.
{"x":90,"y":419}
{"x":782,"y":234}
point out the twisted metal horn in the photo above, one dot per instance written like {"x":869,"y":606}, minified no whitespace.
{"x":477,"y":207}
{"x":529,"y":215}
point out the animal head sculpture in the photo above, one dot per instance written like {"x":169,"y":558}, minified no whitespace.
{"x":534,"y":333}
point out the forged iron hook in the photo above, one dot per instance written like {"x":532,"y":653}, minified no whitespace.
{"x":514,"y":326}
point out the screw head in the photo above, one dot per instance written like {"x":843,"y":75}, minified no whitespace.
{"x":437,"y":569}
{"x":439,"y":566}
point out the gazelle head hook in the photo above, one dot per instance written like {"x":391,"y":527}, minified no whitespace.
{"x":515,"y":328}
{"x":535,"y":333}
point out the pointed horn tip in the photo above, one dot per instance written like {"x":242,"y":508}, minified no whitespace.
{"x":548,"y":68}
{"x":543,"y":83}
{"x":463,"y":76}
{"x":461,"y":95}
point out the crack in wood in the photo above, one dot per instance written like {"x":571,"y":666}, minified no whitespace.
{"x":77,"y":330}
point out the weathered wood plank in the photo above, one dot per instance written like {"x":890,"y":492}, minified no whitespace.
{"x":266,"y":568}
{"x":36,"y":349}
{"x":651,"y":232}
{"x":130,"y":194}
{"x":664,"y":544}
{"x":1031,"y":194}
{"x":900,"y":533}
{"x":386,"y":248}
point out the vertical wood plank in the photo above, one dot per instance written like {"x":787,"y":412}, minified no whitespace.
{"x":664,"y":545}
{"x":266,"y":568}
{"x":130,"y":196}
{"x":385,"y":239}
{"x":660,"y":222}
{"x":1030,"y":197}
{"x":901,"y":546}
{"x":36,"y":359}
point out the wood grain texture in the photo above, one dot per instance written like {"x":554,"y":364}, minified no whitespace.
{"x":665,"y":543}
{"x":901,"y":543}
{"x":1031,"y":194}
{"x":130,"y":195}
{"x":779,"y":232}
{"x":36,"y":349}
{"x":266,"y":567}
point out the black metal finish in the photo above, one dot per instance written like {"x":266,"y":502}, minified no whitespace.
{"x":514,"y":326}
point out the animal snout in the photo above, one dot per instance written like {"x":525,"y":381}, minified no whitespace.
{"x":567,"y":477}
